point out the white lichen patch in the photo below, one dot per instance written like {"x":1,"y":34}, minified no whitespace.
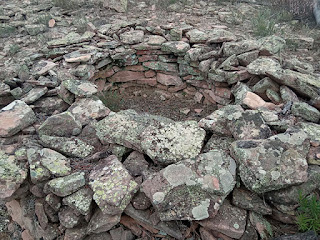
{"x":177,"y":174}
{"x":200,"y":212}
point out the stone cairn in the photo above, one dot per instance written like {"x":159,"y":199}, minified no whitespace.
{"x":86,"y":172}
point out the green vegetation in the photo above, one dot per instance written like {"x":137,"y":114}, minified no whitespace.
{"x":264,"y":23}
{"x":308,"y":213}
{"x":111,"y":99}
{"x":43,"y":19}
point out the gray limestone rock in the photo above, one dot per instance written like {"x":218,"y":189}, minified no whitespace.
{"x":176,"y":47}
{"x":113,"y":187}
{"x":81,"y":88}
{"x":38,"y":173}
{"x":67,"y":185}
{"x":217,"y":35}
{"x":132,"y":37}
{"x":197,"y":36}
{"x":263,"y":64}
{"x":271,"y":45}
{"x":274,"y":163}
{"x":243,"y":46}
{"x":192,"y":189}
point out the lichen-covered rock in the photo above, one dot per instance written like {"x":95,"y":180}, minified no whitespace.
{"x":217,"y":142}
{"x":71,"y":38}
{"x":67,"y":185}
{"x":250,"y":125}
{"x":217,"y":35}
{"x":176,"y":47}
{"x":60,"y":125}
{"x":136,"y":164}
{"x":161,"y":66}
{"x":80,"y":200}
{"x":15,"y":117}
{"x":230,"y":221}
{"x":125,"y":127}
{"x":311,"y":129}
{"x":73,"y":147}
{"x":34,"y":94}
{"x":55,"y":162}
{"x":290,"y":196}
{"x":274,"y":163}
{"x":192,"y":189}
{"x":263,"y":64}
{"x":132,"y":37}
{"x":262,"y":226}
{"x":305,"y":84}
{"x":197,"y":36}
{"x":101,"y":222}
{"x":250,"y":201}
{"x":307,"y":112}
{"x":112,"y":185}
{"x":120,"y":6}
{"x":218,"y":120}
{"x":172,"y":142}
{"x":81,"y":88}
{"x":38,"y":173}
{"x":86,"y":109}
{"x":169,"y":80}
{"x":11,"y":175}
{"x":271,"y":45}
{"x":243,"y":46}
{"x":68,"y":217}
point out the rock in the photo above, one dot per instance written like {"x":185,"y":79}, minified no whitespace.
{"x":11,"y":175}
{"x":125,"y":127}
{"x":81,"y":88}
{"x":262,"y":226}
{"x":254,"y":101}
{"x":266,"y":165}
{"x":156,"y":40}
{"x":132,"y":37}
{"x":121,"y":234}
{"x":102,"y":222}
{"x":189,"y":189}
{"x":34,"y":94}
{"x":250,"y":125}
{"x":304,"y":110}
{"x":112,"y":185}
{"x":60,"y":125}
{"x":271,"y":45}
{"x":248,"y":57}
{"x":311,"y":129}
{"x":50,"y":104}
{"x":304,"y":84}
{"x":80,"y":200}
{"x":67,"y":185}
{"x":15,"y":117}
{"x":99,"y":236}
{"x":35,"y":29}
{"x":43,"y":67}
{"x":68,"y":217}
{"x":230,"y":221}
{"x":119,"y":6}
{"x":77,"y":233}
{"x":136,"y":164}
{"x":172,"y":142}
{"x":169,"y":227}
{"x":38,"y":173}
{"x":126,"y":76}
{"x":197,"y":36}
{"x":309,"y":235}
{"x":161,"y":66}
{"x":77,"y":57}
{"x":71,"y":38}
{"x":86,"y":109}
{"x":218,"y":35}
{"x":263,"y":64}
{"x":169,"y":80}
{"x":55,"y":162}
{"x":245,"y":199}
{"x":300,"y":42}
{"x":243,"y":46}
{"x":140,"y":201}
{"x":297,"y":65}
{"x":175,"y":47}
{"x":290,"y":196}
{"x":219,"y":120}
{"x":264,"y":84}
{"x":217,"y":142}
{"x":229,"y":63}
{"x":73,"y":147}
{"x":53,"y":201}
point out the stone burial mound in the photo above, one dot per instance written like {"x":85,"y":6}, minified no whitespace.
{"x":70,"y":168}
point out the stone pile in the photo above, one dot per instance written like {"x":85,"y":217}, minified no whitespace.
{"x":86,"y":172}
